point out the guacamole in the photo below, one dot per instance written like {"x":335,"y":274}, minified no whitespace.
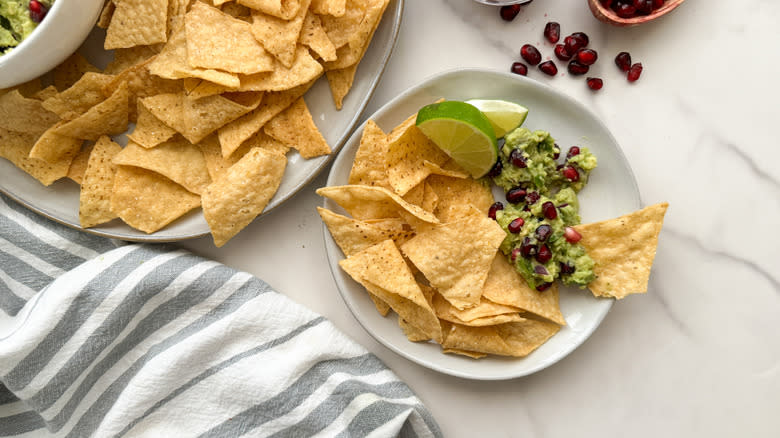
{"x":18,"y":19}
{"x":541,"y":208}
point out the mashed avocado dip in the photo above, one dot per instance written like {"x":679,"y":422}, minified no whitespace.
{"x":541,"y":208}
{"x":18,"y":19}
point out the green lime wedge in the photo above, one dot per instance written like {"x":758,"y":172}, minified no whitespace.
{"x":463,"y":132}
{"x":504,"y":116}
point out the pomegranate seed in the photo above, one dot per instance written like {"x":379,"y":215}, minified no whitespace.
{"x":496,"y":169}
{"x":508,"y":13}
{"x":573,"y":152}
{"x":548,"y":68}
{"x":530,"y":54}
{"x":634,"y":72}
{"x":517,"y":158}
{"x":556,"y":151}
{"x":527,"y":249}
{"x":544,"y":255}
{"x":37,"y":11}
{"x":573,"y":43}
{"x":543,"y":287}
{"x":543,"y":232}
{"x":623,"y":61}
{"x":515,"y":253}
{"x":625,"y":10}
{"x":541,"y":270}
{"x":516,"y":225}
{"x":577,"y":69}
{"x":519,"y":68}
{"x":493,"y":209}
{"x":548,"y":208}
{"x":567,"y":268}
{"x":561,"y":53}
{"x":657,"y":3}
{"x":570,"y":173}
{"x":586,"y":56}
{"x":552,"y":31}
{"x":571,"y":235}
{"x":594,"y":83}
{"x":516,"y":195}
{"x":644,"y":7}
{"x":583,"y":36}
{"x":532,"y":197}
{"x":606,"y":3}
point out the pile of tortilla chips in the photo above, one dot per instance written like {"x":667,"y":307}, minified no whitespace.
{"x":420,"y":241}
{"x":215,"y":89}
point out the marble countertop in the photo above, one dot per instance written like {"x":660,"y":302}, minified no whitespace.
{"x":699,"y":355}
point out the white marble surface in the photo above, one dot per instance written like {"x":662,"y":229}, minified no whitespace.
{"x":699,"y":355}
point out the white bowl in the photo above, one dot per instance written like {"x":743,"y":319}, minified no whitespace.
{"x":65,"y":27}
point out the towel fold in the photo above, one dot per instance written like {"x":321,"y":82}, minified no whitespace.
{"x":101,"y":338}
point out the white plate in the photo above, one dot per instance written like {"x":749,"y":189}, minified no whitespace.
{"x":60,"y":201}
{"x":611,"y":191}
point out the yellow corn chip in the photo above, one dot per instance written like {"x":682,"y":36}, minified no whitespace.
{"x":199,"y":88}
{"x":313,"y":35}
{"x":352,"y":235}
{"x":106,"y":118}
{"x":148,"y":201}
{"x":475,"y":316}
{"x":16,"y":146}
{"x":21,"y":114}
{"x":140,"y":83}
{"x":242,"y":193}
{"x":232,"y":48}
{"x":126,"y":58}
{"x":512,"y":339}
{"x":440,"y":170}
{"x":364,"y":202}
{"x":176,"y":11}
{"x":71,"y":70}
{"x":79,"y":164}
{"x":304,"y":69}
{"x":412,"y":333}
{"x":149,"y":131}
{"x":295,"y":127}
{"x":46,"y":93}
{"x":454,"y":193}
{"x":284,"y":9}
{"x":368,"y":168}
{"x":471,"y":354}
{"x":98,"y":184}
{"x":339,"y":28}
{"x":456,"y":257}
{"x":524,"y":337}
{"x":105,"y":15}
{"x":357,"y":41}
{"x":137,"y":23}
{"x":382,"y":270}
{"x":407,"y":151}
{"x":623,"y":249}
{"x":340,"y":82}
{"x":79,"y":98}
{"x":53,"y":148}
{"x":178,"y":160}
{"x":336,"y":8}
{"x":279,"y":37}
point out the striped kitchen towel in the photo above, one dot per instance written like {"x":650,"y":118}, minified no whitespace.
{"x":99,"y":338}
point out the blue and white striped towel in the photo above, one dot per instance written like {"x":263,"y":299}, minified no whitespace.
{"x":99,"y":338}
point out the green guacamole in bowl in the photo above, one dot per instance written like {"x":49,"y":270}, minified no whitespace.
{"x":18,"y":19}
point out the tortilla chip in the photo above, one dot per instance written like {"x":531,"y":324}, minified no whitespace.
{"x":106,"y":118}
{"x":340,"y":82}
{"x":52,"y":147}
{"x":368,"y":168}
{"x":132,"y":56}
{"x":71,"y":70}
{"x":313,"y":35}
{"x":16,"y":146}
{"x":339,"y":28}
{"x":412,"y":333}
{"x":623,"y":250}
{"x":352,"y":235}
{"x":456,"y":257}
{"x":336,"y":8}
{"x":46,"y":93}
{"x":478,"y":315}
{"x":364,"y":202}
{"x":24,"y":115}
{"x":98,"y":184}
{"x":516,"y":339}
{"x":79,"y":164}
{"x":294,"y":126}
{"x":382,"y":307}
{"x":148,"y":201}
{"x":454,"y":193}
{"x":137,"y":23}
{"x":177,"y":9}
{"x":279,"y":37}
{"x":149,"y":131}
{"x":232,"y":135}
{"x":382,"y":270}
{"x":284,"y":9}
{"x":140,"y":83}
{"x":242,"y":193}
{"x":408,"y":149}
{"x":304,"y":69}
{"x":440,"y":170}
{"x":471,"y":354}
{"x":523,"y":337}
{"x":357,"y":41}
{"x":79,"y":98}
{"x":105,"y":15}
{"x":178,"y":160}
{"x":199,"y":88}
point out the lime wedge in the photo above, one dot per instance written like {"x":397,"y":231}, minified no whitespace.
{"x":504,"y":116}
{"x":461,"y":131}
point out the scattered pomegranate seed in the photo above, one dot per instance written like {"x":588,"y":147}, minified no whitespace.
{"x":586,"y":56}
{"x":544,"y":255}
{"x":37,"y":11}
{"x":517,"y":158}
{"x":577,"y":69}
{"x":571,"y":235}
{"x":519,"y":68}
{"x":531,"y":54}
{"x":552,"y":31}
{"x":570,"y":173}
{"x":583,"y":36}
{"x":567,"y":268}
{"x":516,"y":225}
{"x":594,"y":83}
{"x":543,"y":232}
{"x":623,"y":61}
{"x":493,"y":209}
{"x":543,"y":287}
{"x":634,"y":72}
{"x":527,"y":249}
{"x":549,"y":210}
{"x":573,"y":43}
{"x":532,"y":197}
{"x":516,"y":195}
{"x":548,"y":68}
{"x":508,"y":13}
{"x":561,"y":53}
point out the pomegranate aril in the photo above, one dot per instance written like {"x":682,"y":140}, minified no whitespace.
{"x":493,"y":209}
{"x":556,"y":151}
{"x":515,"y":253}
{"x":508,"y":13}
{"x":594,"y":83}
{"x":543,"y":232}
{"x":541,"y":270}
{"x":623,"y":61}
{"x":577,"y":69}
{"x":544,"y":255}
{"x":571,"y":235}
{"x":561,"y":53}
{"x":573,"y":152}
{"x":37,"y":11}
{"x":572,"y":43}
{"x":527,"y":249}
{"x":657,"y":3}
{"x":548,"y":68}
{"x":517,"y":158}
{"x":532,"y":197}
{"x":516,"y":195}
{"x":543,"y":287}
{"x":625,"y":10}
{"x":567,"y":268}
{"x":516,"y":225}
{"x":634,"y":72}
{"x":644,"y":7}
{"x":552,"y":31}
{"x":548,"y":208}
{"x":496,"y":169}
{"x":583,"y":36}
{"x":586,"y":56}
{"x":570,"y":174}
{"x":519,"y":68}
{"x":531,"y":54}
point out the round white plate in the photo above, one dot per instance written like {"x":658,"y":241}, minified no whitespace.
{"x":60,"y":201}
{"x":611,"y":191}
